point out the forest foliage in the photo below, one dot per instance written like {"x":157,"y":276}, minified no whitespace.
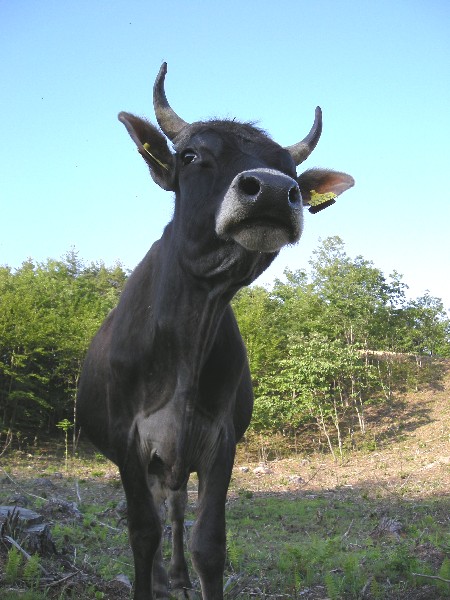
{"x":322,"y":342}
{"x":49,"y":312}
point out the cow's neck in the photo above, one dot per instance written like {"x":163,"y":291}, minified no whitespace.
{"x":188,"y":310}
{"x":193,"y":288}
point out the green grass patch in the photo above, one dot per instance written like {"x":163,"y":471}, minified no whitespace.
{"x":297,"y":543}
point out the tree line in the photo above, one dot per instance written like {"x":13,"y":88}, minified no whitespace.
{"x":329,"y":340}
{"x":322,"y":343}
{"x":49,"y":312}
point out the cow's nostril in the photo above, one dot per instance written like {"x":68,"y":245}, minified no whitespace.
{"x":294,"y":195}
{"x":250,"y":186}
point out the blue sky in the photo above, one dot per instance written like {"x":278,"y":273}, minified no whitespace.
{"x":70,"y":175}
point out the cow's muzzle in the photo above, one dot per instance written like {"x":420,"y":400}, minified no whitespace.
{"x":262,"y":210}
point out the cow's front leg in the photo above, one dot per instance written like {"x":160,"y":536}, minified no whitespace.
{"x":208,"y":543}
{"x":178,"y":571}
{"x":144,"y":524}
{"x":160,"y":579}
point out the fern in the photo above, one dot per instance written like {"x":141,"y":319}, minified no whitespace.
{"x":444,"y":572}
{"x":13,"y":564}
{"x":32,"y":570}
{"x":334,"y":585}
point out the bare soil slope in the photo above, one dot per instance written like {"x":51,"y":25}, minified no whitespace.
{"x":409,"y":453}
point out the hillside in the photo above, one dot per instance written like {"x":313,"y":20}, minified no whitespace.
{"x":409,"y":454}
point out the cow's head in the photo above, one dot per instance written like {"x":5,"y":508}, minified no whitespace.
{"x":232,"y":182}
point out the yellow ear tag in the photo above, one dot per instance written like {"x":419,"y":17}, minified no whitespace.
{"x":317,"y":199}
{"x":157,"y":161}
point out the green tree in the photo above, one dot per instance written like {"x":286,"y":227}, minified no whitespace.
{"x":48,"y":314}
{"x":427,"y":326}
{"x":328,"y":341}
{"x":319,"y":379}
{"x":359,"y":303}
{"x":256,"y":311}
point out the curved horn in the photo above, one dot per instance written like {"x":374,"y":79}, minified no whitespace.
{"x":168,"y":120}
{"x":303,"y":149}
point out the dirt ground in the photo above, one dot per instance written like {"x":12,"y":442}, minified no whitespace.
{"x":409,"y":457}
{"x":408,"y":461}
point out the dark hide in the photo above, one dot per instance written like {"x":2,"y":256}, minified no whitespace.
{"x":166,"y":390}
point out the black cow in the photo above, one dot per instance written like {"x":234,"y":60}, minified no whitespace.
{"x":166,"y":390}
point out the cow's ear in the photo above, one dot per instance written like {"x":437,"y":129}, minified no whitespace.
{"x":319,"y":187}
{"x":152,"y":146}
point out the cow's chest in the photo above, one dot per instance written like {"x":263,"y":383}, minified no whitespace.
{"x":161,"y":436}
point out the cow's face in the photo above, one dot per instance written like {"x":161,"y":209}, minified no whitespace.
{"x":236,"y":184}
{"x":235,"y":187}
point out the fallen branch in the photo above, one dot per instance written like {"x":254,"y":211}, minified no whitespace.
{"x":8,"y":441}
{"x":313,"y":476}
{"x":106,"y":525}
{"x":77,"y":489}
{"x":366,"y":587}
{"x":13,"y":542}
{"x":55,"y":583}
{"x":20,"y":488}
{"x":234,"y":586}
{"x":258,"y":595}
{"x":431,"y":577}
{"x":348,"y":530}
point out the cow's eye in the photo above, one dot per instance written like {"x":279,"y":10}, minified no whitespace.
{"x":188,"y":156}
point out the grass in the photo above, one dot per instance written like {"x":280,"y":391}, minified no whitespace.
{"x":292,"y":544}
{"x":284,"y":544}
{"x":373,"y":526}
